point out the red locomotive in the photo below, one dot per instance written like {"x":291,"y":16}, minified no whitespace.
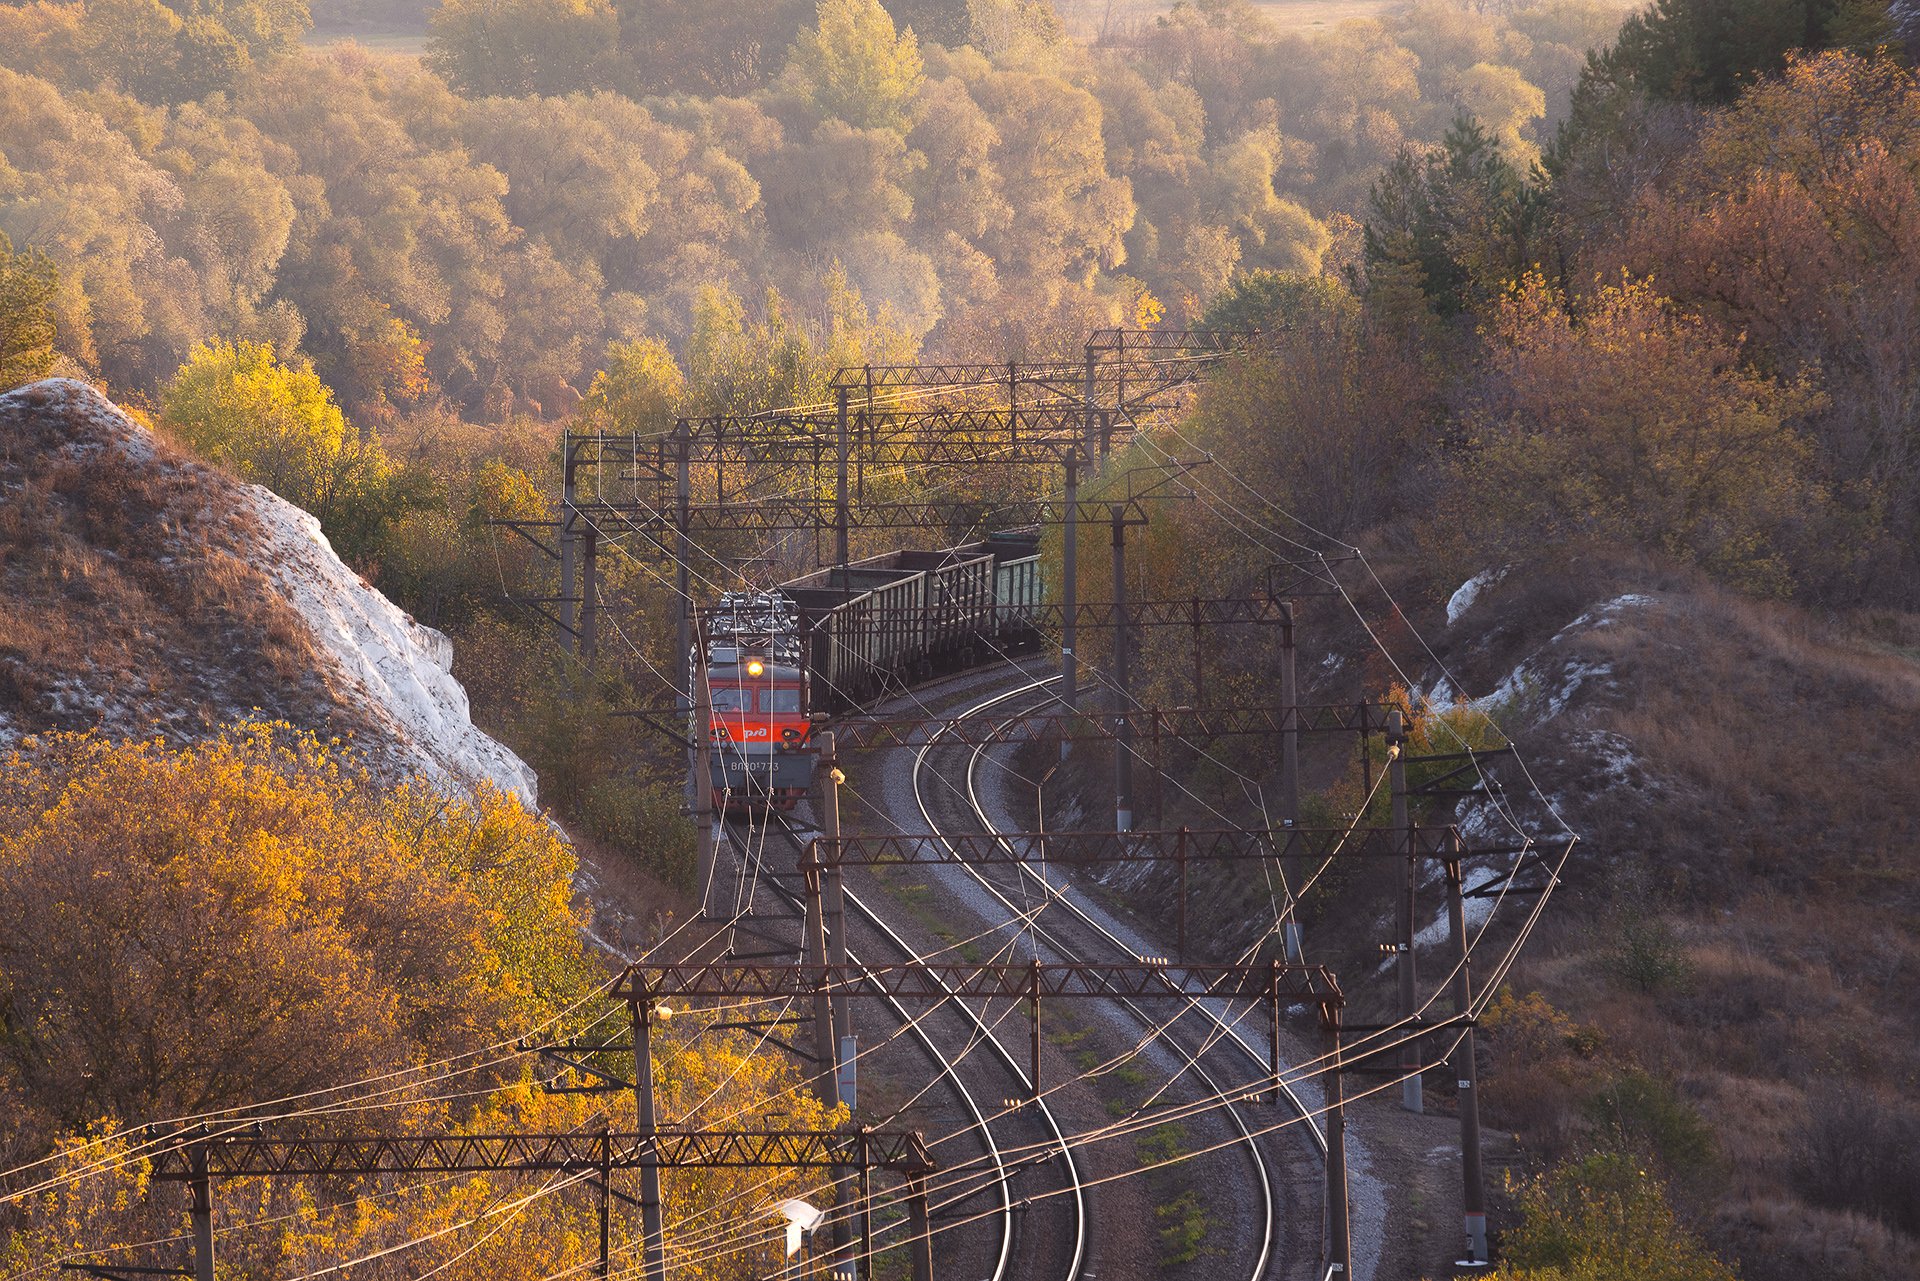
{"x":757,"y":693}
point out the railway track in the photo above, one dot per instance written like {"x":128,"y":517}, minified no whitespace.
{"x":997,"y":1127}
{"x":1080,"y":937}
{"x":1278,"y":1240}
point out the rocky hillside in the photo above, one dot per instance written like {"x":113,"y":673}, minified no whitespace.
{"x":144,"y":593}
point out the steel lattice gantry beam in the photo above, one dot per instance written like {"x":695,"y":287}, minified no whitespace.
{"x":1169,"y":846}
{"x":932,"y":434}
{"x":1179,"y":722}
{"x":1193,"y":612}
{"x":199,"y":1159}
{"x":938,"y":980}
{"x":1132,"y":353}
{"x":765,"y":515}
{"x":865,"y":734}
{"x":1179,"y":847}
{"x":1216,"y":341}
{"x":744,"y":430}
{"x":239,"y":1156}
{"x":1054,"y":421}
{"x":957,"y":375}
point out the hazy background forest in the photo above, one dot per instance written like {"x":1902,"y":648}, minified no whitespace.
{"x":1593,"y":296}
{"x":477,"y":226}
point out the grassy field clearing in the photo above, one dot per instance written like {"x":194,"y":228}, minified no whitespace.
{"x":1309,"y":15}
{"x":1286,"y":15}
{"x":406,"y":45}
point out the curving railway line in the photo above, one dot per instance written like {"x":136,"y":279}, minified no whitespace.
{"x":1020,"y":1202}
{"x":996,"y":1127}
{"x":1203,"y":1029}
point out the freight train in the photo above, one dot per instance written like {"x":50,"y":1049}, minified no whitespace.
{"x":778,"y":662}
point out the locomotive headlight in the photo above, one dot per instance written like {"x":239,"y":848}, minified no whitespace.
{"x":755,"y":667}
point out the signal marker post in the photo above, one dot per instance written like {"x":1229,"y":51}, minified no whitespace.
{"x":834,"y":889}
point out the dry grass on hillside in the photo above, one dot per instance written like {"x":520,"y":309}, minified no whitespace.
{"x":129,"y":601}
{"x":1725,"y":978}
{"x":1742,"y":932}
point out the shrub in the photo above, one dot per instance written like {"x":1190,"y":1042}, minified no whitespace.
{"x":1857,"y":1152}
{"x":1642,"y":1109}
{"x":1648,"y":957}
{"x":643,"y":818}
{"x":1540,"y":1060}
{"x":1604,"y":1217}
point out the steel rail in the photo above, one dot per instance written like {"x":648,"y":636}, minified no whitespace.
{"x":1226,"y":1026}
{"x":1255,"y":1056}
{"x":913,"y":1025}
{"x":1068,"y":1164}
{"x":1078,"y":1256}
{"x":1262,"y":1175}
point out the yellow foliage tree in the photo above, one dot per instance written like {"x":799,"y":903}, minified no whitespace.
{"x":640,"y":389}
{"x":1503,"y":101}
{"x":271,"y":423}
{"x":854,"y":65}
{"x":28,"y":283}
{"x":254,"y":916}
{"x":186,"y":930}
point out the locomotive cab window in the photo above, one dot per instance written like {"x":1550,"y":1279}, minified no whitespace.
{"x":732,"y":700}
{"x":780,"y":700}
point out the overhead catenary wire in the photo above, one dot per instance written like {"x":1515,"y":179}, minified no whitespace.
{"x":1304,"y":546}
{"x":1483,"y":928}
{"x":636,"y":650}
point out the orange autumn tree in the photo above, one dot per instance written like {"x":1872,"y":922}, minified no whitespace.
{"x":1796,"y":221}
{"x":1624,"y":422}
{"x":258,"y":918}
{"x":187,"y":929}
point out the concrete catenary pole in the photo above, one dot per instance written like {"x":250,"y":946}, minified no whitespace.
{"x":1123,"y":692}
{"x":1070,"y":591}
{"x":1473,"y":1199}
{"x":653,"y":1252}
{"x":840,"y":519}
{"x":1339,"y":1229}
{"x":200,"y":1188}
{"x":1410,"y":1089}
{"x":1289,"y":764}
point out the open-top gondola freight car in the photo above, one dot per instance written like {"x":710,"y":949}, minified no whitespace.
{"x":893,"y":620}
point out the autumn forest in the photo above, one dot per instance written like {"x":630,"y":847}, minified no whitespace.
{"x":1554,"y":286}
